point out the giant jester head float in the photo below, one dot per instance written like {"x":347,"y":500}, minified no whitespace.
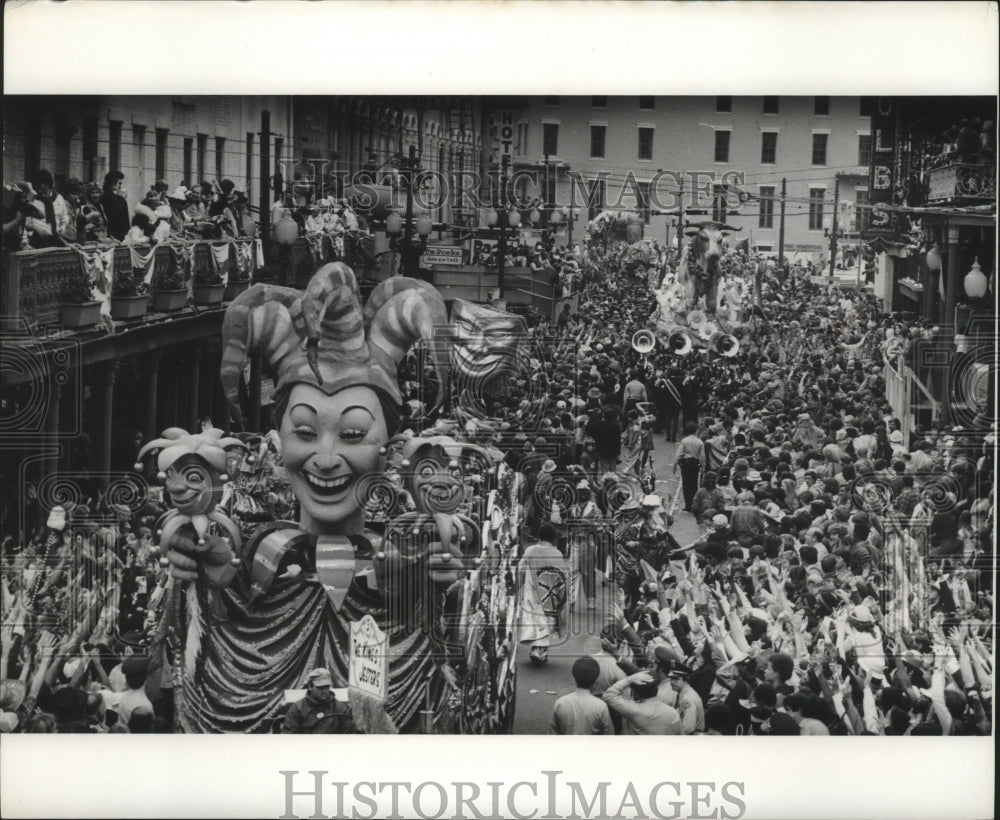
{"x":337,"y":398}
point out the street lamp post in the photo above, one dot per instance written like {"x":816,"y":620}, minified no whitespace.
{"x":501,"y":219}
{"x":410,"y":250}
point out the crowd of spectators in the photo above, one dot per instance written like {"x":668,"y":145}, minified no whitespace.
{"x":841,"y":582}
{"x":37,"y":215}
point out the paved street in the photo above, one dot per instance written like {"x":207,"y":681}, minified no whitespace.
{"x":538,"y":687}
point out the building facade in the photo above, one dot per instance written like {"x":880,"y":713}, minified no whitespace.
{"x":652,"y":154}
{"x":177,"y":139}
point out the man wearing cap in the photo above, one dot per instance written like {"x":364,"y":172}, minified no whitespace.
{"x":319,"y":712}
{"x":689,"y":704}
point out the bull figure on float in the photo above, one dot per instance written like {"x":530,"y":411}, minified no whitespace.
{"x":698,"y":270}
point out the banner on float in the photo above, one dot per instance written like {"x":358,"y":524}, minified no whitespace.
{"x":369,"y":658}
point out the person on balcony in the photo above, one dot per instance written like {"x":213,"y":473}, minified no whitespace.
{"x":115,"y":205}
{"x":73,"y":196}
{"x":221,"y":210}
{"x":50,"y":213}
{"x":17,"y":197}
{"x":94,"y":224}
{"x":180,"y":216}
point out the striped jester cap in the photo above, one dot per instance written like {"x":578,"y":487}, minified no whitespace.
{"x":322,"y":337}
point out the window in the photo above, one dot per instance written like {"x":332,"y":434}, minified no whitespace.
{"x":722,"y":145}
{"x":188,"y":161}
{"x":139,"y":146}
{"x":115,"y":145}
{"x":551,"y":100}
{"x":595,"y":199}
{"x":90,"y":148}
{"x":646,"y":143}
{"x":816,"y":196}
{"x":860,"y":221}
{"x":598,"y":102}
{"x":647,"y":103}
{"x":765,"y":218}
{"x":32,"y":146}
{"x":768,"y":147}
{"x":644,"y":211}
{"x":719,"y":207}
{"x":249,"y":161}
{"x":597,"y":134}
{"x":819,"y":149}
{"x":821,"y":107}
{"x":220,"y":158}
{"x":202,"y":157}
{"x":866,"y":107}
{"x":770,"y":105}
{"x":864,"y":149}
{"x":161,"y":153}
{"x":60,"y":172}
{"x":550,"y":138}
{"x":724,"y":105}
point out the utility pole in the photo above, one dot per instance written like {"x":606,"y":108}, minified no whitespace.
{"x":265,"y":181}
{"x":485,"y":143}
{"x":570,"y":217}
{"x":502,"y":221}
{"x":781,"y":227}
{"x":410,"y":254}
{"x":833,"y":238}
{"x":680,"y":217}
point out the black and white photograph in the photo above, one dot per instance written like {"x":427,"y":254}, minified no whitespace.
{"x":501,"y":414}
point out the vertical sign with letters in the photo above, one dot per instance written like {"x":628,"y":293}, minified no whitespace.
{"x":881,"y":174}
{"x":503,"y":133}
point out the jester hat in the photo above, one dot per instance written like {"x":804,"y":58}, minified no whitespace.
{"x":176,"y":443}
{"x":323,"y":338}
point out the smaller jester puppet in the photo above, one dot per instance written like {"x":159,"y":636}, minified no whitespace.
{"x":192,"y":468}
{"x":434,"y":479}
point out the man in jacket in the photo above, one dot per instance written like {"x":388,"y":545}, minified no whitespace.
{"x":319,"y":712}
{"x":645,"y":714}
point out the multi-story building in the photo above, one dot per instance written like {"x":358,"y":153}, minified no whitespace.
{"x":643,"y":152}
{"x":933,"y":222}
{"x":178,"y":139}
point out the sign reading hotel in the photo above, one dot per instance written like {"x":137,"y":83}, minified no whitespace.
{"x":443,"y":255}
{"x":369,"y":666}
{"x":502,"y":131}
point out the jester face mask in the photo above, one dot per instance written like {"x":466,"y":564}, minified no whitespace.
{"x":485,"y":341}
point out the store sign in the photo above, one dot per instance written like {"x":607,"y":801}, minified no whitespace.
{"x":882,"y":173}
{"x":369,"y":665}
{"x":482,"y":251}
{"x":502,"y":130}
{"x":443,"y":255}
